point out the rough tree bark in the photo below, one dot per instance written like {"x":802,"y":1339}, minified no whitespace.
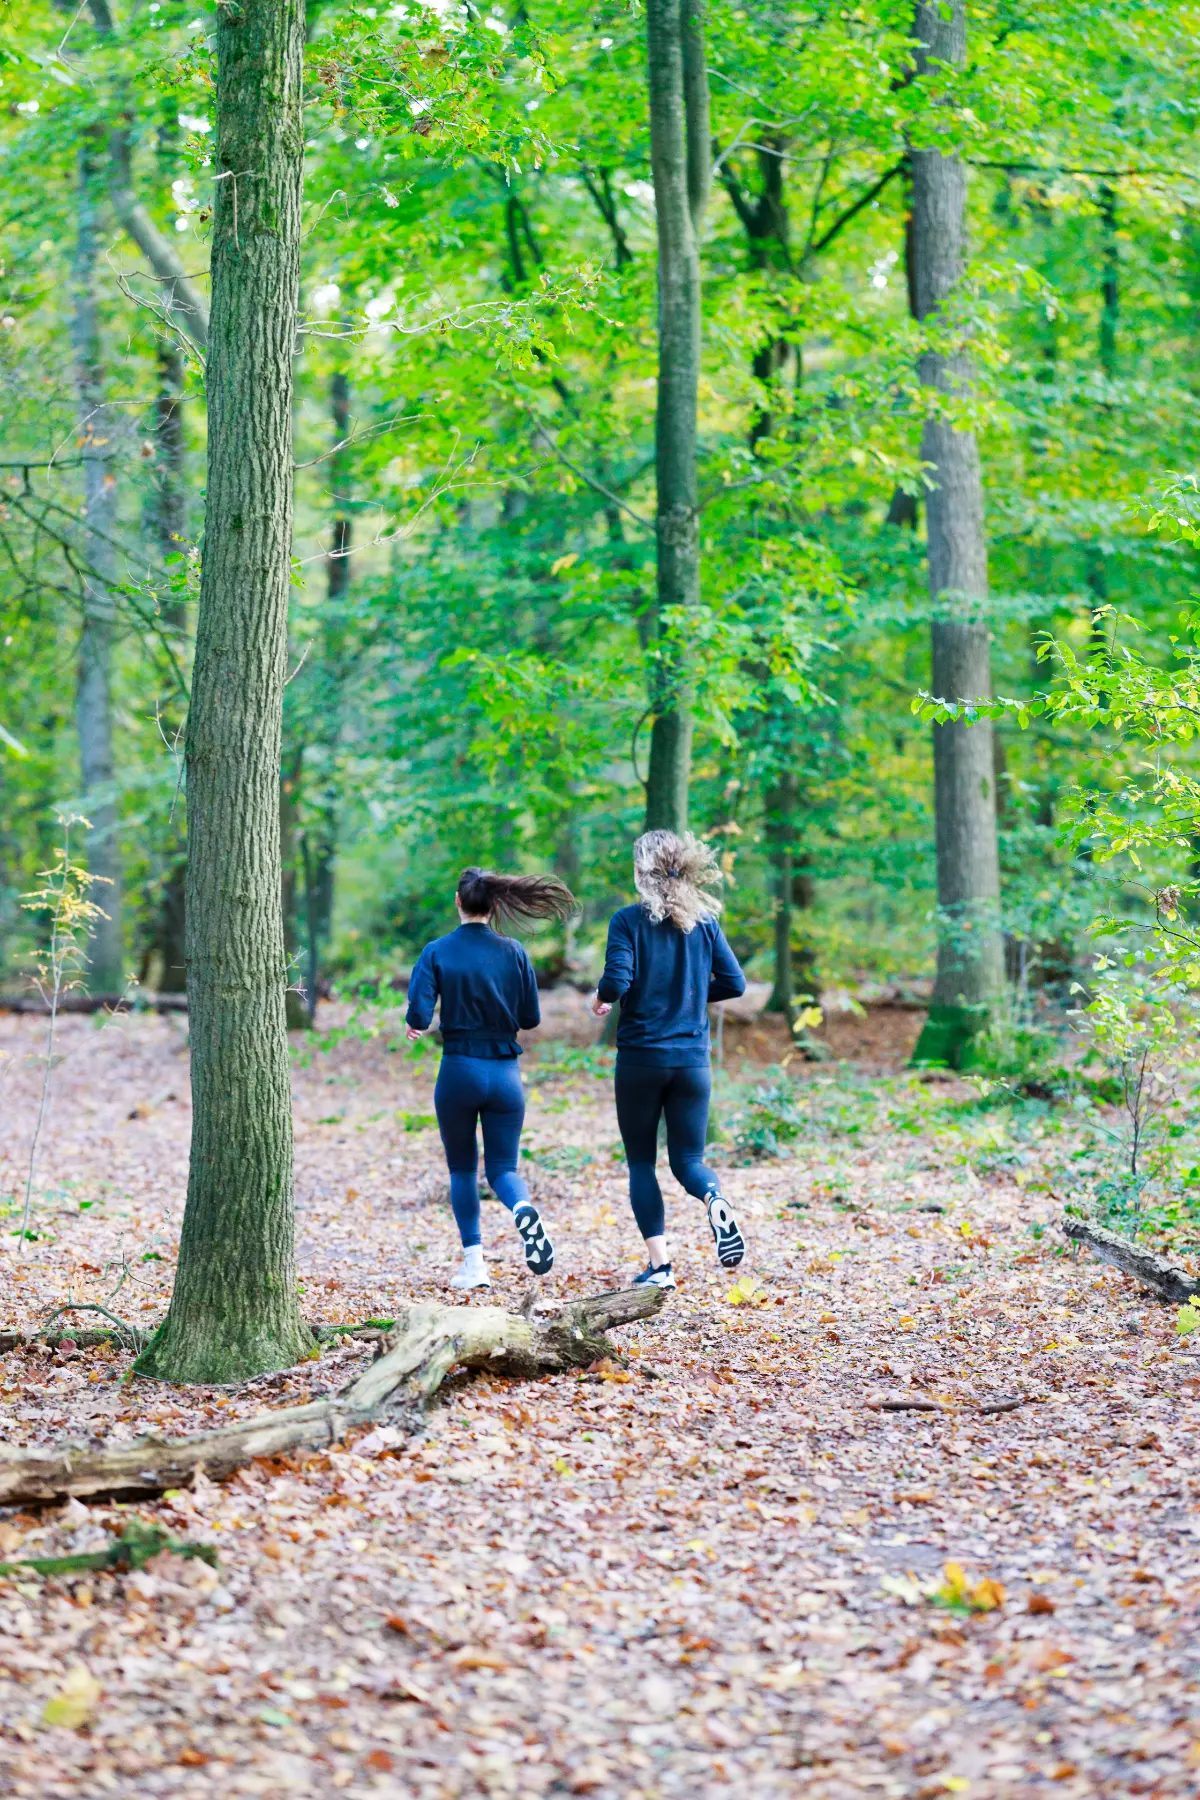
{"x":681,"y":166}
{"x":421,"y":1351}
{"x":970,"y":969}
{"x":94,"y":688}
{"x":234,"y":1311}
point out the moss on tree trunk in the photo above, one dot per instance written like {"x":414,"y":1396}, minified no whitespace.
{"x":234,"y":1311}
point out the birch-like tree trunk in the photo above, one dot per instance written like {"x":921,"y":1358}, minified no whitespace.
{"x":970,"y":970}
{"x":234,"y":1312}
{"x":680,"y":159}
{"x":93,"y":705}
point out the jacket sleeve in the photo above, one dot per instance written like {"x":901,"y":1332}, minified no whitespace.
{"x":618,"y":961}
{"x":726,"y":981}
{"x":529,"y":1009}
{"x":422,"y":992}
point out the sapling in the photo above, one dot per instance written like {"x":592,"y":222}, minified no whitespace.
{"x":64,"y":894}
{"x":1135,"y":1025}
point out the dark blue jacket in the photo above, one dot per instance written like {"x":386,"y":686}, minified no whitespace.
{"x":487,"y":988}
{"x":665,"y":979}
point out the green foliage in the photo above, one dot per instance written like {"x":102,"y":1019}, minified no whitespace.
{"x":479,"y":270}
{"x":760,"y":1122}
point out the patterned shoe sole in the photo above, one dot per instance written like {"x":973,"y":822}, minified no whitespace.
{"x":539,"y":1251}
{"x":731,"y":1245}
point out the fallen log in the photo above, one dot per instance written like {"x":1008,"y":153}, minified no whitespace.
{"x":425,"y":1346}
{"x":94,"y":1003}
{"x":1168,"y":1280}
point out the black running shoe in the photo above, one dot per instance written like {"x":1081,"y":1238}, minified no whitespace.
{"x":539,"y":1251}
{"x":731,"y":1245}
{"x":663,"y":1276}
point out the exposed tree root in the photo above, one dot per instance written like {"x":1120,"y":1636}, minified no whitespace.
{"x":421,"y":1352}
{"x":1165,"y":1279}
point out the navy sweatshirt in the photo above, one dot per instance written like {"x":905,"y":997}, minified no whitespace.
{"x":665,"y":979}
{"x":487,"y":988}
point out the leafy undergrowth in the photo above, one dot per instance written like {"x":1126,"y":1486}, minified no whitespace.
{"x":783,"y":1550}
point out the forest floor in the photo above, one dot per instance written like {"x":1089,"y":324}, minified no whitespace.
{"x":719,"y":1570}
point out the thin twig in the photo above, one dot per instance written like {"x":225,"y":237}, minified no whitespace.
{"x":614,"y":499}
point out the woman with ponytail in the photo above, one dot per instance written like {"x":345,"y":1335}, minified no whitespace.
{"x":667,"y":958}
{"x":488,"y":993}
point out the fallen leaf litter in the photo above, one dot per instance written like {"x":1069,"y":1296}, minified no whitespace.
{"x":753,"y":1574}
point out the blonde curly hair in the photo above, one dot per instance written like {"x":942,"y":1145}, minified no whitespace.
{"x":670,"y":873}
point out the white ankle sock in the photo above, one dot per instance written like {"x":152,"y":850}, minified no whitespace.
{"x":473,"y":1261}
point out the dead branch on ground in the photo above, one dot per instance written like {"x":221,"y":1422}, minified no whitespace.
{"x":424,"y":1348}
{"x":1167,"y":1280}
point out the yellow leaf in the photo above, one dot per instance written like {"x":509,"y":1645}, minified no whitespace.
{"x":75,"y":1701}
{"x":561,"y":1466}
{"x":907,"y":1322}
{"x":955,"y":1784}
{"x":1186,"y":1319}
{"x":954,"y":1581}
{"x":748,"y":1290}
{"x":965,"y":1229}
{"x":987,"y":1595}
{"x":563,"y":562}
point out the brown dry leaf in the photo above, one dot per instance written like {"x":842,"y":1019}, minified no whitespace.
{"x":472,"y":1656}
{"x":1039,"y":1603}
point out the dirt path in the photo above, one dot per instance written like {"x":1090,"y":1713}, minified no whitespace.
{"x":707,"y":1575}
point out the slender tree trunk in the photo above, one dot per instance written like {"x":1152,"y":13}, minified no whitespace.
{"x":170,"y":523}
{"x":680,"y":161}
{"x":780,"y":819}
{"x":320,"y":845}
{"x":970,"y":948}
{"x":234,"y":1312}
{"x":94,"y":688}
{"x":297,"y":1011}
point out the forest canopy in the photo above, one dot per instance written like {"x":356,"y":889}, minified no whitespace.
{"x":480,"y":661}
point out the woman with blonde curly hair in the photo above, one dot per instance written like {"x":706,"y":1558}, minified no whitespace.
{"x":667,"y":959}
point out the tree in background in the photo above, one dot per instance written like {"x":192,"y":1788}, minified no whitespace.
{"x":234,"y":1312}
{"x":681,"y":162}
{"x":970,"y":965}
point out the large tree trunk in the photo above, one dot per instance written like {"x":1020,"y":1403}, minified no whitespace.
{"x":970,"y":969}
{"x":680,"y":162}
{"x":234,"y":1311}
{"x":94,"y":690}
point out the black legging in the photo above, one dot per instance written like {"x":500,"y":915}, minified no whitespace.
{"x":643,"y":1096}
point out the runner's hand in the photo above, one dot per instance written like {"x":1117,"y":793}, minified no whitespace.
{"x":414,"y":1035}
{"x":600,"y":1007}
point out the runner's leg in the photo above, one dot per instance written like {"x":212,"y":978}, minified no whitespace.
{"x":502,"y":1116}
{"x":685,"y":1104}
{"x":638,"y":1094}
{"x":456,"y":1102}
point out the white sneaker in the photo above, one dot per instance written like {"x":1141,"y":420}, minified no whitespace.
{"x":473,"y":1273}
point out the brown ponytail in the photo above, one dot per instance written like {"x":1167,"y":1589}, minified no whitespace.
{"x":514,"y":899}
